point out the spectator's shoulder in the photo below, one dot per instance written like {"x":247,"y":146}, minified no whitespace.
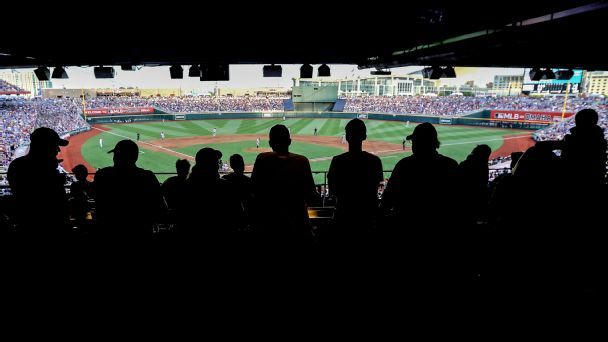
{"x":17,"y":163}
{"x":299,"y":158}
{"x":404,"y":161}
{"x":449,"y":161}
{"x":148,"y":174}
{"x":371,"y":156}
{"x":340,"y":157}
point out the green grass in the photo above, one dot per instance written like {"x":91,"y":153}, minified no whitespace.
{"x":457,"y":141}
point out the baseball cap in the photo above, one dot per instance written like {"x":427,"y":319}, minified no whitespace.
{"x":126,"y":147}
{"x":207,"y":154}
{"x":423,"y":130}
{"x":45,"y":135}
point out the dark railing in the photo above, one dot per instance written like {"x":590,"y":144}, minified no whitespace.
{"x":493,"y":173}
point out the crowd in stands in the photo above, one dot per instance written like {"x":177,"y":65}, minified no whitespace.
{"x":559,"y":130}
{"x":19,"y":117}
{"x":9,"y":88}
{"x":189,"y":104}
{"x":458,"y":105}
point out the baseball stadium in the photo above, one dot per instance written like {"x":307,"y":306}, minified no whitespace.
{"x":447,"y":151}
{"x":182,"y":139}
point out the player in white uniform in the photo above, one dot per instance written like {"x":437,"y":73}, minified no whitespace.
{"x":214,"y":131}
{"x":162,"y":135}
{"x":100,"y":143}
{"x":257,"y":143}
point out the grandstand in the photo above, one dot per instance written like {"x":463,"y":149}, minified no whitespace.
{"x":20,"y":116}
{"x":9,"y":89}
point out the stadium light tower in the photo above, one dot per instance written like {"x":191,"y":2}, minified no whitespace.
{"x":194,"y":71}
{"x":272,"y":71}
{"x":43,"y":73}
{"x":306,"y":71}
{"x":59,"y":72}
{"x":176,"y":71}
{"x":324,"y":71}
{"x":536,"y":74}
{"x":103,"y":72}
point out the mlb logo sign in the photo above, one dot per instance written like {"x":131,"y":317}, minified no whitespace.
{"x":507,"y":116}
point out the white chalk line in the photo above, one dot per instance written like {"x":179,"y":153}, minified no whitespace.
{"x":146,"y":143}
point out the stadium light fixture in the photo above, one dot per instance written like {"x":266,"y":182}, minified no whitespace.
{"x":324,"y":71}
{"x":449,"y":72}
{"x":42,"y":73}
{"x":306,"y":71}
{"x":433,"y":73}
{"x":59,"y":72}
{"x":564,"y":74}
{"x":549,"y":74}
{"x":176,"y":71}
{"x":104,"y":72}
{"x":272,"y":70}
{"x":215,"y":72}
{"x":380,"y":72}
{"x":194,"y":71}
{"x":536,"y":74}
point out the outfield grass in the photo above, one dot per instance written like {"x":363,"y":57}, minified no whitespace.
{"x":457,"y":141}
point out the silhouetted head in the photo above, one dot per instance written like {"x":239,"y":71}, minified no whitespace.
{"x":355,"y":131}
{"x":237,"y":163}
{"x":182,"y":166}
{"x":45,"y":142}
{"x":126,"y":153}
{"x":482,"y":152}
{"x":535,"y":162}
{"x":80,"y":172}
{"x":424,"y":138}
{"x":208,"y":160}
{"x":586,"y":118}
{"x":279,"y":139}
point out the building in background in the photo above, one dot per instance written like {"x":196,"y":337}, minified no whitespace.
{"x":596,"y":83}
{"x":264,"y":91}
{"x":545,"y":87}
{"x":26,"y":81}
{"x":508,"y":85}
{"x":381,"y":85}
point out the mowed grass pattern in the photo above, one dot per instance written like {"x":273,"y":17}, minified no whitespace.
{"x":457,"y":141}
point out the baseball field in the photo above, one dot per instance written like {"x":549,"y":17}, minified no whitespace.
{"x":182,"y":139}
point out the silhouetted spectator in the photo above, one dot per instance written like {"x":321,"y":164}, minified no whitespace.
{"x":514,"y":159}
{"x":584,"y":150}
{"x":174,"y":188}
{"x":473,"y":182}
{"x":210,"y":209}
{"x":420,"y":193}
{"x":421,"y":181}
{"x":530,"y":246}
{"x":38,"y":187}
{"x":283,"y":186}
{"x":240,"y":185}
{"x":80,"y":192}
{"x":354,"y":178}
{"x":584,"y":158}
{"x":128,"y":198}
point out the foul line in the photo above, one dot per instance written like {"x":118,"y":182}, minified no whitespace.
{"x":146,"y":143}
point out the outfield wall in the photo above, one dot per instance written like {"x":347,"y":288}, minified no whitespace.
{"x":480,"y":118}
